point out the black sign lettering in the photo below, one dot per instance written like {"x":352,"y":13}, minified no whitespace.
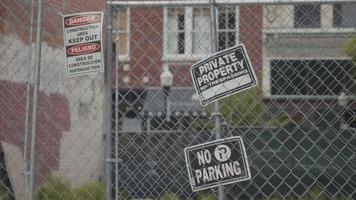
{"x":83,"y":43}
{"x":224,"y":73}
{"x":217,"y":163}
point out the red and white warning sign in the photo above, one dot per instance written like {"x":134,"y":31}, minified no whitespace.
{"x":83,"y":43}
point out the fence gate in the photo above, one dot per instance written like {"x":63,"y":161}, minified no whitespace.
{"x":121,"y":134}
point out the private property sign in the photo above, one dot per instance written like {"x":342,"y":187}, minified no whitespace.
{"x":224,"y":73}
{"x":83,"y":43}
{"x":217,"y":163}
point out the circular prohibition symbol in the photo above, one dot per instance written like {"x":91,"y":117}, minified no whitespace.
{"x":222,"y":153}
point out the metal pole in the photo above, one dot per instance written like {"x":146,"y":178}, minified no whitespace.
{"x":108,"y":150}
{"x":25,"y":170}
{"x":35,"y":98}
{"x":117,"y":118}
{"x":214,"y":48}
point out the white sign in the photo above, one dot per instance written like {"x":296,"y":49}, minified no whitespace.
{"x":217,"y":163}
{"x":224,"y":73}
{"x":83,"y":43}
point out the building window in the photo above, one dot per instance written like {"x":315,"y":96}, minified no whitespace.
{"x":121,"y":31}
{"x":187,"y":30}
{"x":175,"y":32}
{"x":226,"y":28}
{"x":307,"y":16}
{"x":344,"y":15}
{"x":201,"y":31}
{"x":310,"y":77}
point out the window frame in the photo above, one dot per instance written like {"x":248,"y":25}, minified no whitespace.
{"x":298,"y":26}
{"x":227,"y":29}
{"x":188,"y":40}
{"x":267,"y":78}
{"x":194,"y":31}
{"x":116,"y":33}
{"x":336,"y":17}
{"x":165,"y":31}
{"x":326,"y":26}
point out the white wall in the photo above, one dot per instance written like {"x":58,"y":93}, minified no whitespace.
{"x":81,"y":148}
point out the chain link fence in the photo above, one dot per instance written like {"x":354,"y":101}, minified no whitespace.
{"x":121,"y":134}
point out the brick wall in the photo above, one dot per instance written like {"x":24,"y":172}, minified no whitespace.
{"x":15,"y":17}
{"x":251,"y":33}
{"x":60,"y":143}
{"x":58,"y":140}
{"x":53,"y":119}
{"x":146,"y":45}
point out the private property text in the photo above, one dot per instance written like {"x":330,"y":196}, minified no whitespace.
{"x":220,"y":69}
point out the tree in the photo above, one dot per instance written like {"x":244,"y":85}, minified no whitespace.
{"x":350,"y":48}
{"x":248,"y":109}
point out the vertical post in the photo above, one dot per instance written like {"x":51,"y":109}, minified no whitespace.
{"x":35,"y":98}
{"x":166,"y":90}
{"x":27,"y":111}
{"x":108,"y":69}
{"x":25,"y":148}
{"x":214,"y":48}
{"x":148,"y":125}
{"x":237,"y":11}
{"x":116,"y":178}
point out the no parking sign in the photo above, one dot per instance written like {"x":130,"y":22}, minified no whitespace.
{"x":215,"y":163}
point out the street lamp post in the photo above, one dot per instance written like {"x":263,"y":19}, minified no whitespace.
{"x":166,"y":83}
{"x":342,"y":101}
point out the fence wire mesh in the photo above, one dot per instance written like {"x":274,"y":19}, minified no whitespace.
{"x":298,"y":124}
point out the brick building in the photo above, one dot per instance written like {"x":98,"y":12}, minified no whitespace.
{"x":69,"y":144}
{"x":152,"y":38}
{"x":71,"y":110}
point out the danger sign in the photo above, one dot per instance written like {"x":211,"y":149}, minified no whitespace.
{"x":217,"y":163}
{"x":83,"y":43}
{"x":224,"y":73}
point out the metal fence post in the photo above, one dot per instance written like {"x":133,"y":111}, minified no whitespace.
{"x":35,"y":99}
{"x":116,"y":147}
{"x":108,"y":150}
{"x":25,"y":171}
{"x":214,"y":48}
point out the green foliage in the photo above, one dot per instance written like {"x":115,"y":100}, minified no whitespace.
{"x":206,"y":196}
{"x":276,"y":197}
{"x":350,"y":48}
{"x":124,"y":195}
{"x":170,"y":196}
{"x":4,"y":193}
{"x":315,"y":193}
{"x":203,"y":124}
{"x":243,"y":109}
{"x":91,"y":190}
{"x":55,"y":188}
{"x":247,"y":109}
